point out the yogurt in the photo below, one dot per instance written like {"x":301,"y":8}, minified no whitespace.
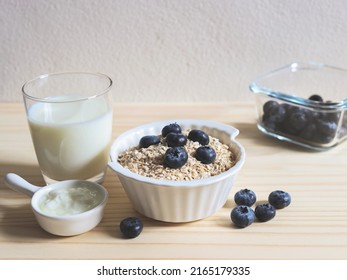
{"x":70,"y":200}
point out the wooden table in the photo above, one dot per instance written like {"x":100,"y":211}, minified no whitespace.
{"x":314,"y":226}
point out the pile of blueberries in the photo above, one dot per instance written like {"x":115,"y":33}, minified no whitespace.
{"x":243,"y":215}
{"x":308,"y":125}
{"x":176,"y":155}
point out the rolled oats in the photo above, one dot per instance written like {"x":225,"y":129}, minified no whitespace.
{"x":149,"y":161}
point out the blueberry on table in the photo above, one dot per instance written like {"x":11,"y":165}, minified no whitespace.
{"x":131,"y":227}
{"x":175,"y":157}
{"x":205,"y":154}
{"x":242,"y":216}
{"x":279,"y":199}
{"x":149,"y":140}
{"x":200,"y":136}
{"x":265,"y":212}
{"x":245,"y":197}
{"x":172,"y":127}
{"x":175,"y":139}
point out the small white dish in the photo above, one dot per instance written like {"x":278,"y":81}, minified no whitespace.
{"x":177,"y":201}
{"x":73,"y":222}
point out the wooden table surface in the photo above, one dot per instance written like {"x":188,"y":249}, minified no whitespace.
{"x":314,"y":226}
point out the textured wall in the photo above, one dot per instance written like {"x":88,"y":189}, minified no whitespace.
{"x":162,"y":50}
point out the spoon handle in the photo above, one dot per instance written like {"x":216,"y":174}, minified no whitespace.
{"x":17,"y":183}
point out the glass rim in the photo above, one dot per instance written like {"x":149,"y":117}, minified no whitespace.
{"x":47,"y":75}
{"x":257,"y":87}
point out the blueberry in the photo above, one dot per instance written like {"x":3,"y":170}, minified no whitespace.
{"x":245,"y":197}
{"x":323,"y":138}
{"x":333,"y":116}
{"x":265,"y":212}
{"x":274,"y":115}
{"x":242,"y":216}
{"x":131,"y":227}
{"x":205,"y":154}
{"x":316,"y":97}
{"x":269,"y":105}
{"x":197,"y":135}
{"x":274,"y":112}
{"x":149,"y":140}
{"x":296,"y":120}
{"x":287,"y":106}
{"x":269,"y":124}
{"x":175,"y":139}
{"x":173,"y":127}
{"x":279,"y":199}
{"x":310,"y":132}
{"x":175,"y":157}
{"x":326,"y":127}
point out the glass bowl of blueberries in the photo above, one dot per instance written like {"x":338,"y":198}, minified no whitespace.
{"x":177,"y":170}
{"x":303,"y":103}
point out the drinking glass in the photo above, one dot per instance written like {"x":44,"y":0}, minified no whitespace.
{"x":70,"y":120}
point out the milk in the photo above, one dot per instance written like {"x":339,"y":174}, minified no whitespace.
{"x":72,"y":139}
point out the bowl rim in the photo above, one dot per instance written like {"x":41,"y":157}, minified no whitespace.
{"x":256,"y":86}
{"x":232,"y":131}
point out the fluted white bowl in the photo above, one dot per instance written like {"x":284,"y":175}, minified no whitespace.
{"x":177,"y":201}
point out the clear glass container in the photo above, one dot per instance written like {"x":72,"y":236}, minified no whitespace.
{"x":303,"y":103}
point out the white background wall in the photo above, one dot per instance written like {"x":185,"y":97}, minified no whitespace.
{"x":167,"y":50}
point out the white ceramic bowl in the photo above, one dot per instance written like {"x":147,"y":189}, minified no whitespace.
{"x":63,"y":225}
{"x":74,"y":224}
{"x":177,"y":201}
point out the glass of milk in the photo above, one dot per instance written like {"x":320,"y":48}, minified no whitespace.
{"x":70,"y":121}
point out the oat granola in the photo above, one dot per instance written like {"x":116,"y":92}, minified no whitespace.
{"x":149,"y":161}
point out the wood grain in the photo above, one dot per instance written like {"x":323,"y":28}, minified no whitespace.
{"x":314,"y":226}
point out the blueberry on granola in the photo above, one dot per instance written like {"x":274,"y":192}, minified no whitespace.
{"x":175,"y":157}
{"x":205,"y":154}
{"x":172,"y":127}
{"x":149,"y":140}
{"x":175,"y":139}
{"x":200,"y":136}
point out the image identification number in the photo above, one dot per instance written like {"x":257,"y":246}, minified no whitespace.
{"x":220,"y":270}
